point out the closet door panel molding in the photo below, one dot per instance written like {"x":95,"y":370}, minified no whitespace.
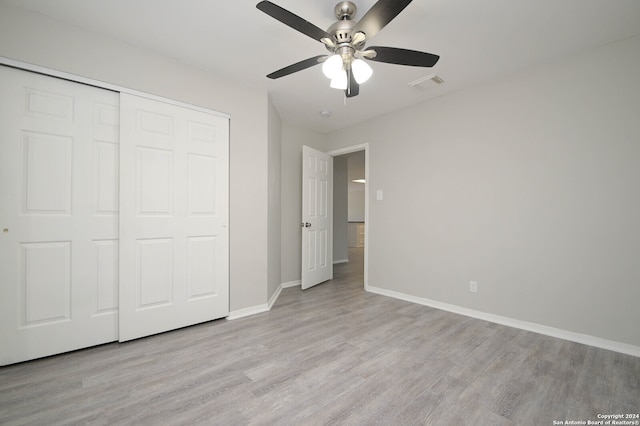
{"x":174,"y":237}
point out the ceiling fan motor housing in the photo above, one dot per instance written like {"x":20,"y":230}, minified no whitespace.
{"x":342,"y":31}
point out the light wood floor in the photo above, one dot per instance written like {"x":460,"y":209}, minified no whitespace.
{"x":329,"y":355}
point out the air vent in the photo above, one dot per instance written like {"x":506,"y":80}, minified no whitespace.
{"x":427,"y":82}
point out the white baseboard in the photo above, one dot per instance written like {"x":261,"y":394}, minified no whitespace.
{"x":274,"y":297}
{"x":245,"y":312}
{"x":258,"y":309}
{"x":290,"y":284}
{"x":585,"y":339}
{"x":341,"y":261}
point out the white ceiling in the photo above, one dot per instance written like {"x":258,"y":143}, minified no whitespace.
{"x":479,"y":41}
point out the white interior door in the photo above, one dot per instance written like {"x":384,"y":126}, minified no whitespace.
{"x":174,"y":236}
{"x":58,"y":215}
{"x":317,"y":215}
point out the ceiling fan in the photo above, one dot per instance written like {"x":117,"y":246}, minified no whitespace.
{"x":346,"y":41}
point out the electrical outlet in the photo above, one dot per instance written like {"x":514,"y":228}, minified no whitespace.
{"x":473,"y":286}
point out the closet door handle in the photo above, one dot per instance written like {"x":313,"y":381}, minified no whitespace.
{"x":305,"y":224}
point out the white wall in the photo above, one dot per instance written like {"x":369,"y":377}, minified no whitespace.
{"x":293,"y":138}
{"x":528,"y":186}
{"x":35,"y":39}
{"x":274,"y":232}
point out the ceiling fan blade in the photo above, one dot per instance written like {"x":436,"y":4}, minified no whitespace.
{"x":379,"y":16}
{"x":353,"y":88}
{"x":294,"y":21}
{"x":298,"y":66}
{"x":394,"y":55}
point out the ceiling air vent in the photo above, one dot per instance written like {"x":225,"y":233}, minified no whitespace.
{"x":427,"y":82}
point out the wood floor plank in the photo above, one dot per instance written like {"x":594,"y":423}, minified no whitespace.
{"x":332,"y":354}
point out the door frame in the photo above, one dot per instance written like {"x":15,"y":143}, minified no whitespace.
{"x":348,"y":150}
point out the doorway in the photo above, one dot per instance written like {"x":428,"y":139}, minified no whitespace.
{"x":351,"y":206}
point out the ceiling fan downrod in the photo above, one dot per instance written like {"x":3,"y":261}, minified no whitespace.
{"x":345,"y":10}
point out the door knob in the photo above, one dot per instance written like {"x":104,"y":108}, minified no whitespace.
{"x":305,"y":224}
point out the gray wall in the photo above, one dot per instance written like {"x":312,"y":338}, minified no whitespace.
{"x":356,"y":205}
{"x":38,"y":40}
{"x":274,"y":231}
{"x":340,"y":208}
{"x":356,"y":170}
{"x":293,"y":138}
{"x":528,"y":186}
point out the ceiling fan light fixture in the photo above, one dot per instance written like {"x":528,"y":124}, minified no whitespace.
{"x":332,"y":66}
{"x":361,"y":70}
{"x":339,"y":81}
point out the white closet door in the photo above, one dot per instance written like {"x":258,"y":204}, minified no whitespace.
{"x":58,"y":216}
{"x":174,"y":240}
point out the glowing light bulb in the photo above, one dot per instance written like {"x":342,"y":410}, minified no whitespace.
{"x":361,"y":71}
{"x":339,"y":81}
{"x":332,"y":66}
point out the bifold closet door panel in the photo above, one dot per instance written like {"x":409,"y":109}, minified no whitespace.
{"x":174,"y":236}
{"x":59,"y":153}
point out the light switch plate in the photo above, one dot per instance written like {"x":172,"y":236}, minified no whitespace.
{"x":379,"y":195}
